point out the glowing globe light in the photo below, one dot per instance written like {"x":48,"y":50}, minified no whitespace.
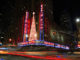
{"x":77,"y":20}
{"x":33,"y":13}
{"x":35,"y":35}
{"x":26,"y":35}
{"x":10,"y":39}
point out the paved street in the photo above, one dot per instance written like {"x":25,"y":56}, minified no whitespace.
{"x":39,"y":55}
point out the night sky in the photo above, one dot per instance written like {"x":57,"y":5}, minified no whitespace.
{"x":5,"y":14}
{"x":12,"y":10}
{"x":72,"y":6}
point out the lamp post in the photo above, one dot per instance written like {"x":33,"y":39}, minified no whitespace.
{"x":77,"y":20}
{"x":78,"y":29}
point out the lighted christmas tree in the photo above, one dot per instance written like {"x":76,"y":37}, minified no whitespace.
{"x":33,"y":33}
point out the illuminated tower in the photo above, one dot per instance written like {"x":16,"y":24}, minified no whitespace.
{"x":41,"y":23}
{"x":33,"y":33}
{"x":25,"y":35}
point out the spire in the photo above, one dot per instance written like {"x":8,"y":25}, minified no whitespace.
{"x":25,"y":35}
{"x":41,"y":23}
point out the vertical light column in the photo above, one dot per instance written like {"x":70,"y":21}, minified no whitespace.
{"x":25,"y":35}
{"x":41,"y":23}
{"x":33,"y":33}
{"x":28,"y":31}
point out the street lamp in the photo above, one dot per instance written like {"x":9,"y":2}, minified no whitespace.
{"x":78,"y":30}
{"x":2,"y":37}
{"x":77,"y":20}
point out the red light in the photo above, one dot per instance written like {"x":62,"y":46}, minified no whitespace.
{"x":10,"y":40}
{"x":32,"y":42}
{"x":78,"y":45}
{"x":54,"y":33}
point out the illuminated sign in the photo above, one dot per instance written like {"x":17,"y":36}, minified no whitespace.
{"x":62,"y":46}
{"x":48,"y":43}
{"x":32,"y":42}
{"x":41,"y":23}
{"x":66,"y":47}
{"x":25,"y":27}
{"x":57,"y":45}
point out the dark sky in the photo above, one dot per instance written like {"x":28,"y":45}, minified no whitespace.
{"x":12,"y":9}
{"x":5,"y":9}
{"x":71,"y":5}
